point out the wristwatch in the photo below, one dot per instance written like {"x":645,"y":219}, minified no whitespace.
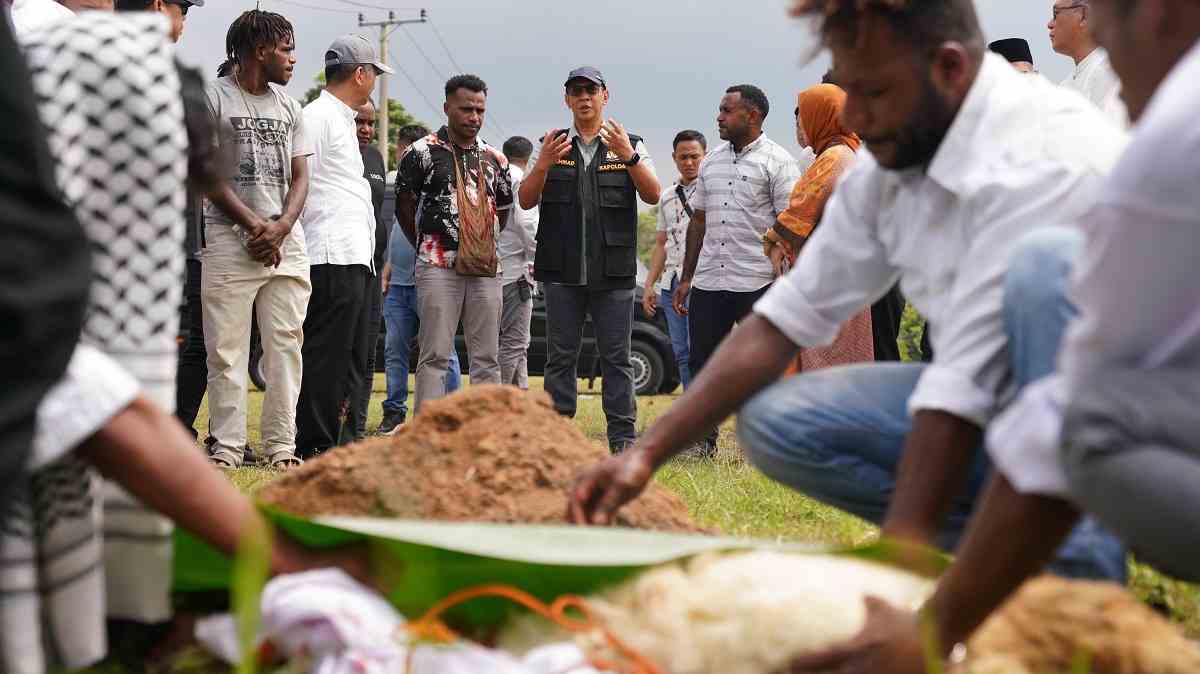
{"x":633,"y":161}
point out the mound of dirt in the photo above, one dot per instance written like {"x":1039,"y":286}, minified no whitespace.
{"x":486,"y":454}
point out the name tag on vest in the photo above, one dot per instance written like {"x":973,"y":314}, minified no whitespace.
{"x":566,"y":162}
{"x":613,"y":167}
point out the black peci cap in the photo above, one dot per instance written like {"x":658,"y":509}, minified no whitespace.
{"x":1014,"y":49}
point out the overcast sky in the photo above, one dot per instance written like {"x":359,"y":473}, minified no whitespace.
{"x":667,"y":62}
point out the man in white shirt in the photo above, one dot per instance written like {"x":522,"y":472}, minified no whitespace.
{"x":666,"y":261}
{"x":516,"y":247}
{"x":964,"y":156}
{"x":1114,"y":431}
{"x":743,"y":186}
{"x":339,"y":227}
{"x":1071,"y":35}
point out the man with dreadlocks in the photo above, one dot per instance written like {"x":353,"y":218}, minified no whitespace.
{"x":967,"y":167}
{"x":253,"y":250}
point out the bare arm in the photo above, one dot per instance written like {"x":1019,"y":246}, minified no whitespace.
{"x":933,"y":473}
{"x":750,"y":359}
{"x":658,"y":259}
{"x":224,"y":198}
{"x":646,"y":182}
{"x":695,"y":242}
{"x":149,"y":453}
{"x":297,"y":194}
{"x":992,"y":562}
{"x":406,"y":215}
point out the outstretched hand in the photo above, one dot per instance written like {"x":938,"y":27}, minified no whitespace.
{"x":600,"y":491}
{"x":889,"y":643}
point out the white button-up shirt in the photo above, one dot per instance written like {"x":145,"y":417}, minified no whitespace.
{"x":1021,"y":153}
{"x":338,"y":218}
{"x":518,"y":242}
{"x":741,"y":194}
{"x":1137,"y":286}
{"x":673,"y":220}
{"x":1095,"y":79}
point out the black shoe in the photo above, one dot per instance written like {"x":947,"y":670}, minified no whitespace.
{"x":391,"y":422}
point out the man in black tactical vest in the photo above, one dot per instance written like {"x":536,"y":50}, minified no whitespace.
{"x":587,"y":180}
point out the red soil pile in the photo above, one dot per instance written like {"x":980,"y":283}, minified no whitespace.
{"x":488,"y":454}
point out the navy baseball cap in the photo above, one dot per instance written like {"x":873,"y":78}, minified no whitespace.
{"x":586,"y":73}
{"x":186,"y":3}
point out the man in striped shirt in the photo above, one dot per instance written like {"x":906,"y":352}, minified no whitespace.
{"x":743,"y":186}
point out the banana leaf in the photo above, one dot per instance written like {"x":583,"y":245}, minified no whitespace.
{"x":420,"y":562}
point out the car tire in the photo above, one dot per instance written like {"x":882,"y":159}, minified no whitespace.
{"x":258,"y":370}
{"x":648,"y":369}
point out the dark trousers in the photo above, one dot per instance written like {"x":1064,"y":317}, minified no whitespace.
{"x":712,"y":314}
{"x":885,"y":324}
{"x":192,"y":379}
{"x":567,"y":307}
{"x":331,"y":326}
{"x":363,"y":368}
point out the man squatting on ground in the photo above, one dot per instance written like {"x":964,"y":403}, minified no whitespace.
{"x":968,"y":166}
{"x":1114,"y":431}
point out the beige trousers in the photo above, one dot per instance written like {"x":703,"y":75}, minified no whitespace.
{"x":233,"y":286}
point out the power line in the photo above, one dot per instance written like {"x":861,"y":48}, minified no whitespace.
{"x":413,"y":40}
{"x":369,"y":6}
{"x":317,"y":8}
{"x":438,"y":34}
{"x":416,"y":88}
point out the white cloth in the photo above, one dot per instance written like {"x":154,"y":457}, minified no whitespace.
{"x":1095,"y":79}
{"x":518,"y":243}
{"x":1136,"y":286}
{"x":29,"y":16}
{"x":806,"y":159}
{"x":673,"y":220}
{"x":92,"y":391}
{"x":1020,"y":154}
{"x":338,"y":217}
{"x":741,"y":194}
{"x":341,"y":627}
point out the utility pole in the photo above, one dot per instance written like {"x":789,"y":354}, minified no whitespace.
{"x":386,"y":28}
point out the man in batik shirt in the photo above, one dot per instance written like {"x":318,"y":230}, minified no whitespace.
{"x":453,"y":195}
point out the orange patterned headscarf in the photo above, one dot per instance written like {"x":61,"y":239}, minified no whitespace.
{"x":820,"y":109}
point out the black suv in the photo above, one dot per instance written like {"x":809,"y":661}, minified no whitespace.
{"x":654,"y":369}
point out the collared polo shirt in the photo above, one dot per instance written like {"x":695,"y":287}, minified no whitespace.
{"x":741,"y":194}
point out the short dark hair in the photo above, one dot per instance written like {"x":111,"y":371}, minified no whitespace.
{"x":518,"y":147}
{"x":411,"y":133}
{"x":132,"y":5}
{"x":689,"y":135}
{"x":336,"y":73}
{"x":468,"y":82}
{"x":828,"y":77}
{"x":752,"y":96}
{"x":924,"y":24}
{"x":253,"y":29}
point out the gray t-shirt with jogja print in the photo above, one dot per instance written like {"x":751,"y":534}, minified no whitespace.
{"x":256,"y":139}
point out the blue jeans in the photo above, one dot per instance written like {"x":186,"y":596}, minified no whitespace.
{"x":401,"y":322}
{"x":678,"y":327}
{"x":838,"y":434}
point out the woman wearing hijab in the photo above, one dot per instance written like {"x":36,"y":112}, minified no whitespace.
{"x":819,"y":110}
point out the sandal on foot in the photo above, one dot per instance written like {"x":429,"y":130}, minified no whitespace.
{"x":283,"y":460}
{"x":226,"y":459}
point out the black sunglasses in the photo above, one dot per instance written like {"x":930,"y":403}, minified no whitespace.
{"x":579,"y":89}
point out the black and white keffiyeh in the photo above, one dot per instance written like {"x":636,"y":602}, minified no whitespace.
{"x":108,"y":92}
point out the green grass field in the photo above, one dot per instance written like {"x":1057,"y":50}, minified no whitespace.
{"x":727,"y":494}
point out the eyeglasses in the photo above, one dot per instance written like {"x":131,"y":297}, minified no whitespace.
{"x":1058,"y":10}
{"x":579,"y":89}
